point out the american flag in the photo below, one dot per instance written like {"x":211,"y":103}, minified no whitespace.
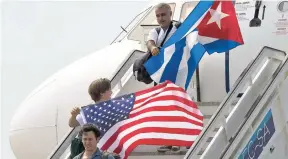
{"x":161,"y":115}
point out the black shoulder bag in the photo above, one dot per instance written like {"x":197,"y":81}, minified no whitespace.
{"x":138,"y":67}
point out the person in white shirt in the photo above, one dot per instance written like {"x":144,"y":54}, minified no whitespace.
{"x":99,"y":90}
{"x":163,"y":14}
{"x":164,"y":18}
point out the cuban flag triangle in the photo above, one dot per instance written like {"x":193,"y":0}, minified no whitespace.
{"x":211,"y":27}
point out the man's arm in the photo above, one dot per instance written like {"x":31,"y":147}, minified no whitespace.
{"x":73,"y":121}
{"x":151,"y":42}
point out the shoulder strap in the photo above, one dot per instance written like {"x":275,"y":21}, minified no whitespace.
{"x":105,"y":155}
{"x":79,"y":156}
{"x":168,"y":31}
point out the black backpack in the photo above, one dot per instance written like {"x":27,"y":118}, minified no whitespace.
{"x":76,"y":147}
{"x":138,"y":67}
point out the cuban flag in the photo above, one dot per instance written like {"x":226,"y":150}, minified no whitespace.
{"x":211,"y":27}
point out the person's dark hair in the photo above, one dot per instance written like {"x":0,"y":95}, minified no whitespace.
{"x":98,"y":87}
{"x":90,"y":127}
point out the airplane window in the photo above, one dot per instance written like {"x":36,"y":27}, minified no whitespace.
{"x":186,"y":9}
{"x":149,"y":19}
{"x":283,"y":6}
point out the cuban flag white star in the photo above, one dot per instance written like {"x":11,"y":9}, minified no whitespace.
{"x":217,"y":15}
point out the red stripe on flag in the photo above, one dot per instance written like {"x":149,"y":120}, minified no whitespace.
{"x":165,"y":90}
{"x":163,"y":119}
{"x":156,"y":130}
{"x":151,"y":123}
{"x":159,"y":86}
{"x":168,"y":97}
{"x":166,"y":108}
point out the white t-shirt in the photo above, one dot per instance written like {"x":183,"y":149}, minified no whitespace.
{"x":80,"y":119}
{"x":153,"y":35}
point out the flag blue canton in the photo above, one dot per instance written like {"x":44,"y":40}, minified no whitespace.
{"x":108,"y":113}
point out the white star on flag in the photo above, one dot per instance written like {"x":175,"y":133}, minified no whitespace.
{"x":217,"y":15}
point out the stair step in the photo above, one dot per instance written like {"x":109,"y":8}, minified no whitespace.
{"x":182,"y":152}
{"x":207,"y":108}
{"x":151,"y":150}
{"x":207,"y":103}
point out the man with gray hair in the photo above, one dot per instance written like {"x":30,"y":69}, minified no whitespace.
{"x":155,"y":38}
{"x":164,"y":18}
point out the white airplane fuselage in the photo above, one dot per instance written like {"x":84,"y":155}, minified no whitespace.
{"x":55,"y":97}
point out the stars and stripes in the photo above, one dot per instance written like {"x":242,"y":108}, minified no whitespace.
{"x":108,"y":113}
{"x":161,"y":115}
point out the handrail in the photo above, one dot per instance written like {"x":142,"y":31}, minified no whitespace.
{"x":261,"y":99}
{"x":200,"y":141}
{"x":129,"y":25}
{"x":60,"y":148}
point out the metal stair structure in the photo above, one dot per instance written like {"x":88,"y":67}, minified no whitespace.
{"x":253,"y":83}
{"x":124,"y":82}
{"x":217,"y":134}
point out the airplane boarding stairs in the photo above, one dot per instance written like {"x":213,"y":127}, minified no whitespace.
{"x":257,"y":125}
{"x":263,"y":68}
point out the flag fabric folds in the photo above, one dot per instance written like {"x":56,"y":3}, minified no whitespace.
{"x":161,"y":115}
{"x":211,"y":27}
